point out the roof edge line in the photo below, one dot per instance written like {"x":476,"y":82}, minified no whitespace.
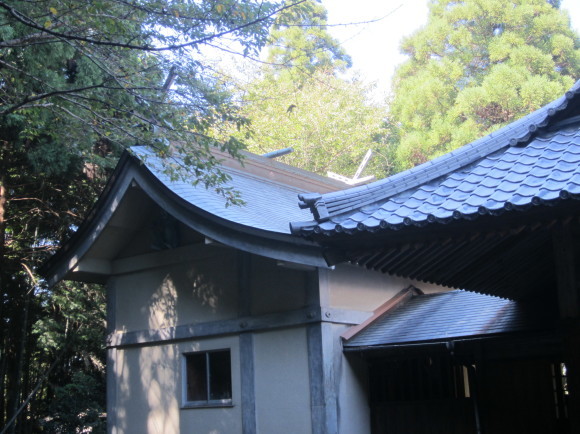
{"x":401,"y":297}
{"x":523,"y":129}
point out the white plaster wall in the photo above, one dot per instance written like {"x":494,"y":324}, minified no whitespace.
{"x":197,"y":291}
{"x":282,"y":382}
{"x":148,"y":393}
{"x":352,"y":380}
{"x":356,"y":288}
{"x":276,"y":288}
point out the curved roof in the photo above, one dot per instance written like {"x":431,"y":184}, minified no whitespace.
{"x":520,"y":165}
{"x":257,"y":192}
{"x":260,"y":226}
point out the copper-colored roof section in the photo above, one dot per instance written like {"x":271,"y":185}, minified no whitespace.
{"x":268,"y":168}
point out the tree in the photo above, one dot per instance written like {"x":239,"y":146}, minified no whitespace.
{"x":327,"y":120}
{"x":79,"y":82}
{"x":298,"y":99}
{"x":111,"y":65}
{"x":299,"y":43}
{"x":478,"y":65}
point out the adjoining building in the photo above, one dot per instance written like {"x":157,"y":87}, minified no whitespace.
{"x":444,"y":299}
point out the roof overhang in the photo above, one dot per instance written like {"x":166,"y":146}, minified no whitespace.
{"x":512,"y":256}
{"x":76,"y":261}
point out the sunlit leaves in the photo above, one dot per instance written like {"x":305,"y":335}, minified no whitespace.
{"x":79,"y":82}
{"x":479,"y":64}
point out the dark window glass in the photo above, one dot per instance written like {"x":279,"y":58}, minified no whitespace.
{"x":196,"y":377}
{"x":209,"y":376}
{"x":220,"y":375}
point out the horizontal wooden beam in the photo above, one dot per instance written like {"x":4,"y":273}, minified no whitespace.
{"x":264,"y":322}
{"x":161,"y":258}
{"x":94,"y":266}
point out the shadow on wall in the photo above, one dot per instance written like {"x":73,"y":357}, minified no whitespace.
{"x":148,"y":390}
{"x":148,"y":379}
{"x":211,"y":286}
{"x":159,"y":367}
{"x":204,"y":289}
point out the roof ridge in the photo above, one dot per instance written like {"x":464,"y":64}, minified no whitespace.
{"x":325,"y":206}
{"x":256,"y":177}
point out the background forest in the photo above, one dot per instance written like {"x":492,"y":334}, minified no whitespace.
{"x":82,"y":81}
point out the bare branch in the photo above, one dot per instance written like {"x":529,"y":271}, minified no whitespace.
{"x":32,"y":98}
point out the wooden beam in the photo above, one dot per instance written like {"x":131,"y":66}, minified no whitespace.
{"x":94,"y":266}
{"x":323,"y":394}
{"x":247,"y":364}
{"x":270,"y":321}
{"x":248,"y":386}
{"x":400,"y":297}
{"x":161,"y":258}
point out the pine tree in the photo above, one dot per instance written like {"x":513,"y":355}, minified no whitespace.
{"x":299,"y":43}
{"x":478,"y":65}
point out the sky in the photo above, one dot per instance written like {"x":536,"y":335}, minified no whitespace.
{"x":374,"y":47}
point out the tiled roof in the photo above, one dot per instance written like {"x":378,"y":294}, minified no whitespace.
{"x":256,"y":192}
{"x":518,"y":166}
{"x":445,"y":316}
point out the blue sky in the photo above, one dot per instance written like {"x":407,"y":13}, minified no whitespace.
{"x":374,"y":47}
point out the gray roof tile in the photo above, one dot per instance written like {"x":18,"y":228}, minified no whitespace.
{"x":446,"y":316}
{"x":486,"y":176}
{"x":256,"y":192}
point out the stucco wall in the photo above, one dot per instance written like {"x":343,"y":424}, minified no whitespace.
{"x":356,"y":288}
{"x":197,"y":291}
{"x":282,"y":382}
{"x":276,"y":288}
{"x":211,"y":286}
{"x":203,"y":289}
{"x":148,"y":391}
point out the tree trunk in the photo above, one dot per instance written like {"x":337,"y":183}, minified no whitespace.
{"x":3,"y":335}
{"x":12,"y":311}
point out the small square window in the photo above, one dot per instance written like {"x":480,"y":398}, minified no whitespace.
{"x":208,"y":378}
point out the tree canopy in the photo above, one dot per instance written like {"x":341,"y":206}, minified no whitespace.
{"x":299,"y":43}
{"x":328,"y":122}
{"x":79,"y":82}
{"x":299,"y":99}
{"x":123,"y":72}
{"x":475,"y":66}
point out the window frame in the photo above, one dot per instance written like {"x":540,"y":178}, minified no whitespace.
{"x":207,"y":403}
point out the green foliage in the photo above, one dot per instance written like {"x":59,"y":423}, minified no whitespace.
{"x":72,"y":331}
{"x":120,"y":73}
{"x":76,"y":408}
{"x":80,"y":82}
{"x":299,"y":43}
{"x":478,"y":65}
{"x":327,"y":120}
{"x":298,"y":100}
